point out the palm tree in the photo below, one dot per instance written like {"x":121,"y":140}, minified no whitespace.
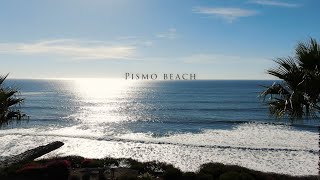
{"x":8,"y":103}
{"x":297,"y":96}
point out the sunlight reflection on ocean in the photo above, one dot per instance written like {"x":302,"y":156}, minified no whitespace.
{"x":103,"y":98}
{"x":185,"y":123}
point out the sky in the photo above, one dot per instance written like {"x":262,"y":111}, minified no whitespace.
{"x":214,"y":39}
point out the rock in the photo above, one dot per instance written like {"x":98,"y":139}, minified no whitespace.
{"x":31,"y":154}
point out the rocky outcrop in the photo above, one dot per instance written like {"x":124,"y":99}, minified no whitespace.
{"x":31,"y":154}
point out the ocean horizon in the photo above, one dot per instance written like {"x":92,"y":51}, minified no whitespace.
{"x":185,"y":123}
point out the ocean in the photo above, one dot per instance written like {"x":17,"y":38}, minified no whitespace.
{"x":185,"y":123}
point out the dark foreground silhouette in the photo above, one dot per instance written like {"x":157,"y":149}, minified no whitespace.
{"x":77,"y":168}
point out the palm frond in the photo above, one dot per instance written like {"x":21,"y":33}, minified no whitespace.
{"x":308,"y":54}
{"x":8,"y":102}
{"x":275,"y":89}
{"x":2,"y":78}
{"x":14,"y":101}
{"x":285,"y":66}
{"x":298,"y":95}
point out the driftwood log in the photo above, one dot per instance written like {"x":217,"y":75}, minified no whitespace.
{"x":31,"y":154}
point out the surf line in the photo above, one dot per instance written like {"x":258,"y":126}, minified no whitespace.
{"x":115,"y":139}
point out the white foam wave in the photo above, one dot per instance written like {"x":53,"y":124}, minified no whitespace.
{"x":264,"y":147}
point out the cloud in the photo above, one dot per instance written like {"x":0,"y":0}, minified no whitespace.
{"x":169,"y":34}
{"x":127,"y":38}
{"x":209,"y":58}
{"x":275,"y":3}
{"x":206,"y":59}
{"x":134,"y":41}
{"x":203,"y":59}
{"x":74,"y":49}
{"x":229,"y":14}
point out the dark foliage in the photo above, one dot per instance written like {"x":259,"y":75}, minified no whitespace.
{"x":58,"y":168}
{"x":298,"y":95}
{"x":9,"y":102}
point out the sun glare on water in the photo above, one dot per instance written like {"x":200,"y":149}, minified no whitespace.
{"x":98,"y":88}
{"x":102,"y":99}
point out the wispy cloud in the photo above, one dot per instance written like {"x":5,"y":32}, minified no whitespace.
{"x":169,"y":34}
{"x":230,"y":14}
{"x":209,"y":58}
{"x":216,"y":59}
{"x":134,"y":41}
{"x":275,"y":3}
{"x":74,"y":49}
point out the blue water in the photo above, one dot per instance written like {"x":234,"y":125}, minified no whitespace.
{"x":158,"y":107}
{"x":185,"y":123}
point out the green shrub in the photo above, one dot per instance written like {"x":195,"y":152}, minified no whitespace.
{"x":136,"y":165}
{"x":215,"y":169}
{"x":204,"y":176}
{"x":189,"y":175}
{"x":172,"y":173}
{"x":110,"y":161}
{"x":91,"y":163}
{"x":232,"y":175}
{"x":146,"y":176}
{"x":155,"y":167}
{"x":246,"y":176}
